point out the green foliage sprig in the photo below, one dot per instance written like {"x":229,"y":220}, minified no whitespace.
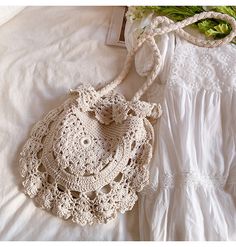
{"x":212,"y":28}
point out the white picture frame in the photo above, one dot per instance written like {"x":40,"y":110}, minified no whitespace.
{"x":115,"y":35}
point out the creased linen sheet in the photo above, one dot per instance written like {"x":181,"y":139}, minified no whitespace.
{"x":45,"y":51}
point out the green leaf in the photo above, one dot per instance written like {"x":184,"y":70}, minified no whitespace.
{"x":226,"y":10}
{"x":223,"y":28}
{"x":176,"y":13}
{"x":205,"y":25}
{"x":219,"y":31}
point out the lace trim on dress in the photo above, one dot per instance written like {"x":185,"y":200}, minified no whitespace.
{"x":195,"y":68}
{"x":186,"y":179}
{"x":191,"y":178}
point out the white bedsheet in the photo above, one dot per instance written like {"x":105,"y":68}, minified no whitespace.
{"x":9,"y":12}
{"x":45,"y":51}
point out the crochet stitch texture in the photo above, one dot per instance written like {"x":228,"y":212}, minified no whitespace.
{"x":87,"y":158}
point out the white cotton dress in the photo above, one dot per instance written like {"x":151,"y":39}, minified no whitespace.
{"x":192,"y":192}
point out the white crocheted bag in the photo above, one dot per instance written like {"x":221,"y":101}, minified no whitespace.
{"x":87,"y":159}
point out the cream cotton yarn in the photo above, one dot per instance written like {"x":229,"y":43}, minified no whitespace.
{"x":86,"y":160}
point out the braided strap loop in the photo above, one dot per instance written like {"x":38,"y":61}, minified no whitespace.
{"x":177,"y":27}
{"x":128,"y":62}
{"x":155,"y":70}
{"x":169,"y":26}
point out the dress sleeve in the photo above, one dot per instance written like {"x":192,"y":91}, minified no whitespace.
{"x":144,"y":59}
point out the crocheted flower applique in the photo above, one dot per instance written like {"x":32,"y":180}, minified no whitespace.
{"x":114,"y":106}
{"x":140,"y":109}
{"x":86,"y":97}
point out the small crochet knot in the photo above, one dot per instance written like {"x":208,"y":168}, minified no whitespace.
{"x":23,"y":166}
{"x":144,"y":109}
{"x":120,"y":112}
{"x":109,"y":108}
{"x":63,"y":206}
{"x":83,"y":217}
{"x":32,"y":184}
{"x":105,"y":209}
{"x":156,"y":112}
{"x":140,"y":109}
{"x":86,"y":97}
{"x":45,"y":198}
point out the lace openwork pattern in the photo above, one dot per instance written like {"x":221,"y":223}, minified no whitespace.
{"x":87,"y":159}
{"x":191,"y":178}
{"x":194,"y":68}
{"x":184,"y":180}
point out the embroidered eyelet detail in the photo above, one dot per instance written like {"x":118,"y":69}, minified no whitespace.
{"x":86,"y":141}
{"x":196,"y":68}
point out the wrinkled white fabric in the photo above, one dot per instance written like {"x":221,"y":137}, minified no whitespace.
{"x":9,"y":12}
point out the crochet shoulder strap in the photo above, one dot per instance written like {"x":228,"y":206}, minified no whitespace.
{"x":170,"y":26}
